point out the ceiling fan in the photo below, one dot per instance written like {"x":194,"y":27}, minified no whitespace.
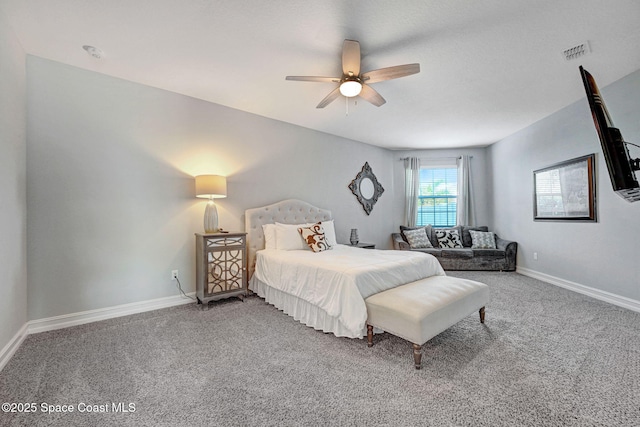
{"x":354,"y":83}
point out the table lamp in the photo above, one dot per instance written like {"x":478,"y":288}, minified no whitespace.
{"x":211,"y":187}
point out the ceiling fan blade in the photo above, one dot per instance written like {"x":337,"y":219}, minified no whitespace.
{"x":390,"y":73}
{"x":329,"y":98}
{"x":351,"y":58}
{"x":313,"y":79}
{"x":372,"y":96}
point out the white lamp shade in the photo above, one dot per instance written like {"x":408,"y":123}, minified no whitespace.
{"x":211,"y":186}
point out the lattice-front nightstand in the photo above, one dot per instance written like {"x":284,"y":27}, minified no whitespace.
{"x":221,"y":266}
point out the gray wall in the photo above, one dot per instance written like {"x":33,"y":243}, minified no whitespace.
{"x":111,"y":200}
{"x":13,"y":213}
{"x":602,"y":255}
{"x":110,"y":190}
{"x":478,"y":172}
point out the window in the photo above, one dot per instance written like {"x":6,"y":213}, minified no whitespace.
{"x":437,"y":197}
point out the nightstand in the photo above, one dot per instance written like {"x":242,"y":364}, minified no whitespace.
{"x":365,"y":245}
{"x":221,"y":266}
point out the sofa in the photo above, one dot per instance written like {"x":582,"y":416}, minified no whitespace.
{"x":469,"y":252}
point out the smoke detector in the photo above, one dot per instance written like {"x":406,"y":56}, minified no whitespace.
{"x":577,"y":51}
{"x":93,"y":51}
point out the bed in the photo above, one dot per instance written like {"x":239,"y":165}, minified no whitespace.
{"x":324,"y":290}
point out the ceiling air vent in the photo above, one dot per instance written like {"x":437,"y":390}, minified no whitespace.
{"x":576,"y":51}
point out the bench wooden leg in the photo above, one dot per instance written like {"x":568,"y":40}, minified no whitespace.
{"x":417,"y":355}
{"x":482,"y":315}
{"x":369,"y":336}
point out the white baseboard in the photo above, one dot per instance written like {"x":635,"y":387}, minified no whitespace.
{"x":12,"y":346}
{"x":614,"y":299}
{"x":73,"y":319}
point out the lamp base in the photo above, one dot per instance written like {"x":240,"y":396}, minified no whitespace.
{"x":211,"y":218}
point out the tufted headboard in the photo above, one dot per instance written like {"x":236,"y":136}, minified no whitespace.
{"x":289,"y":211}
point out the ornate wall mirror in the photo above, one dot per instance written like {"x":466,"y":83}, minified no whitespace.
{"x":366,"y":188}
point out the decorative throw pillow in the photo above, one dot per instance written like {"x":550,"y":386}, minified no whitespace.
{"x":482,"y":240}
{"x":427,"y":229}
{"x":448,"y":238}
{"x":315,"y":237}
{"x":466,"y":236}
{"x":417,"y":238}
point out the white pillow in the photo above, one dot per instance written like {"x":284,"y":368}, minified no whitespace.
{"x":288,"y":238}
{"x":329,"y":232}
{"x":269,"y":231}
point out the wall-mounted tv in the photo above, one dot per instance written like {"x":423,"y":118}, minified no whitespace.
{"x":621,"y":166}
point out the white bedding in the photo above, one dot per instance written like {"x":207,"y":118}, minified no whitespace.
{"x":339,"y":280}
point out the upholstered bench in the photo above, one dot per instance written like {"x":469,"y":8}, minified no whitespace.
{"x":420,"y":310}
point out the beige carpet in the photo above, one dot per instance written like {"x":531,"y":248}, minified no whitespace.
{"x":544,"y":357}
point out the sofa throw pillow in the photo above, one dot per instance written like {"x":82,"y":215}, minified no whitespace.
{"x":315,"y":237}
{"x":482,"y":240}
{"x":427,"y":229}
{"x":448,"y":238}
{"x":466,"y":236}
{"x":417,"y":238}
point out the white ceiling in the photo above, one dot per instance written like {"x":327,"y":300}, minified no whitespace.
{"x":488,"y":68}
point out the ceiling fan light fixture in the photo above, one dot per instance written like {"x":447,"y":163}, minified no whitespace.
{"x":350,"y":88}
{"x":352,"y":83}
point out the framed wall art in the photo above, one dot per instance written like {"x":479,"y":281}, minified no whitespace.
{"x":566,"y":191}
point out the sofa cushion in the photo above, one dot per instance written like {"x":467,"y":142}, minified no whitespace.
{"x":467,"y":241}
{"x":457,"y":253}
{"x":488,"y":253}
{"x":449,"y":237}
{"x":482,"y":240}
{"x":433,"y":251}
{"x":418,"y":238}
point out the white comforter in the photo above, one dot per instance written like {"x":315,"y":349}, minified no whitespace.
{"x":339,"y":280}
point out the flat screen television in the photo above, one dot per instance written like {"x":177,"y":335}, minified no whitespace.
{"x":614,"y":149}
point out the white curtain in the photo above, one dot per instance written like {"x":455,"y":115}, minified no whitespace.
{"x":466,"y":213}
{"x":411,"y":186}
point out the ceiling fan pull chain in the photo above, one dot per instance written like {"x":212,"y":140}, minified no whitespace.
{"x":347,"y":104}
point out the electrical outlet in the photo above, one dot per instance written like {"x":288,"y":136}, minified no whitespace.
{"x":535,"y":255}
{"x":174,"y":274}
